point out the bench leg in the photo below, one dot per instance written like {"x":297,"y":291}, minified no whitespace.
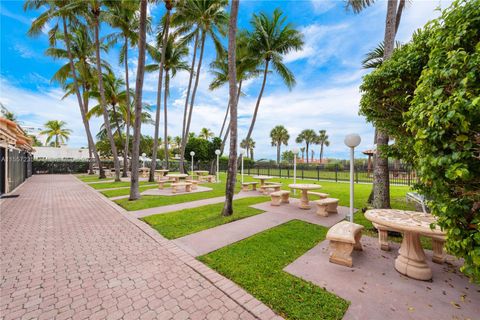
{"x":160,"y":185}
{"x":174,"y":189}
{"x":285,"y":198}
{"x":188,"y":188}
{"x":245,"y":188}
{"x":275,"y":200}
{"x":322,"y":211}
{"x":332,"y":208}
{"x":383,"y":239}
{"x":254,"y":187}
{"x":438,"y":253}
{"x":341,"y":253}
{"x":358,"y":244}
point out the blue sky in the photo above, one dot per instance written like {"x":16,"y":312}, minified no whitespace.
{"x":327,"y":69}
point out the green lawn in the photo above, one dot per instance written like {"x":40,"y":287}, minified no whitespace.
{"x":124,"y":192}
{"x":181,"y":223}
{"x":120,"y":184}
{"x":256,"y":264}
{"x":91,"y":178}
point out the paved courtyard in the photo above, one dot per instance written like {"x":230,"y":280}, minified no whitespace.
{"x":69,"y":253}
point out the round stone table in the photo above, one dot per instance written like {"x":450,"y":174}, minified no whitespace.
{"x":304,"y":187}
{"x":162,"y":173}
{"x":262,"y":179}
{"x":177,"y":176}
{"x":411,"y":257}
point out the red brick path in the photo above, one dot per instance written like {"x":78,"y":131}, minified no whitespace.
{"x":67,"y":253}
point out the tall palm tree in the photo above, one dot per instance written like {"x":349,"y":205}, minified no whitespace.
{"x":232,"y":81}
{"x":142,"y":35}
{"x":60,"y":15}
{"x":322,"y":141}
{"x":302,"y":150}
{"x":163,"y":35}
{"x":93,"y":12}
{"x":56,"y":129}
{"x":200,"y":18}
{"x":270,"y":40}
{"x":381,"y":176}
{"x":309,"y":137}
{"x":248,"y":145}
{"x":175,"y":53}
{"x":279,"y":136}
{"x":122,"y":15}
{"x":206,"y":134}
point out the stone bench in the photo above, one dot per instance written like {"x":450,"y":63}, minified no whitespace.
{"x":187,"y":185}
{"x":245,"y":186}
{"x":161,"y":183}
{"x":193,"y":182}
{"x":319,"y":194}
{"x":326,"y":206}
{"x":279,"y":197}
{"x":438,"y":242}
{"x":344,"y":238}
{"x":211,"y":178}
{"x":272,"y":187}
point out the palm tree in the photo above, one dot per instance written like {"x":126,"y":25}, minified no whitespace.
{"x":163,"y":35}
{"x":142,"y":34}
{"x":122,"y":15}
{"x":322,"y":141}
{"x":248,"y":145}
{"x":279,"y":136}
{"x":58,"y":12}
{"x":381,"y":176}
{"x":92,"y":13}
{"x":56,"y":129}
{"x":270,"y":40}
{"x":374,"y":58}
{"x":175,"y":53}
{"x":302,"y":150}
{"x":309,"y":137}
{"x":200,"y":18}
{"x":206,"y":134}
{"x":232,"y":81}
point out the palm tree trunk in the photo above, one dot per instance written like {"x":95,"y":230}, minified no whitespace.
{"x":278,"y":152}
{"x":90,"y":154}
{"x":153,"y":165}
{"x":165,"y":110}
{"x":228,"y":108}
{"x":103,"y":101}
{"x":381,"y":176}
{"x":224,"y":120}
{"x":134,"y":191}
{"x":232,"y":81}
{"x":127,"y":129}
{"x":306,"y":149}
{"x":194,"y":92}
{"x":185,"y":114}
{"x":254,"y":118}
{"x":86,"y":124}
{"x":321,"y":152}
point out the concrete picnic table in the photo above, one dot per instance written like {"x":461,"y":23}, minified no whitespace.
{"x":262,"y":179}
{"x":411,"y":257}
{"x":177,"y":176}
{"x":304,"y":187}
{"x":162,"y":173}
{"x":200,"y":173}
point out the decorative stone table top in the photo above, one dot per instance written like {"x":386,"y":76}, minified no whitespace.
{"x":177,"y":175}
{"x":304,"y":186}
{"x":409,"y":221}
{"x":201,"y":172}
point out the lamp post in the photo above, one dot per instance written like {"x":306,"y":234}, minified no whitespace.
{"x":217,"y":152}
{"x":143,"y":158}
{"x":295,"y":152}
{"x":242,"y":152}
{"x":352,"y":140}
{"x":192,"y":153}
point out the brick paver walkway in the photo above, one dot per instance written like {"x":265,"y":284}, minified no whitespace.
{"x":67,"y":253}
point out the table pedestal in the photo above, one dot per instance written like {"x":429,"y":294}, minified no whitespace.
{"x":411,"y":259}
{"x":304,"y":200}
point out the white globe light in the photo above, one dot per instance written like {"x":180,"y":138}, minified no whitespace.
{"x":352,"y":140}
{"x":217,"y":152}
{"x":192,"y":153}
{"x":295,"y":150}
{"x":144,"y":154}
{"x":242,"y":152}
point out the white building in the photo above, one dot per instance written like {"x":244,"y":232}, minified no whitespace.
{"x":63,"y":152}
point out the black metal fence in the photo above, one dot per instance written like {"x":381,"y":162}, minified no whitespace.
{"x":19,"y":167}
{"x":63,"y":166}
{"x":398,"y":175}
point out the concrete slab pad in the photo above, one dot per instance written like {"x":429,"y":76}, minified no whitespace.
{"x":377,"y":291}
{"x":168,"y":191}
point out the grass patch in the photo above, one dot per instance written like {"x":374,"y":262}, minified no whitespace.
{"x":184,"y":222}
{"x":120,"y":184}
{"x":124,"y":192}
{"x":256,"y":264}
{"x":92,"y":178}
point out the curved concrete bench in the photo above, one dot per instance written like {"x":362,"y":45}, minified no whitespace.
{"x":193,"y":182}
{"x":319,"y":194}
{"x":245,"y":186}
{"x":344,"y":238}
{"x":273,"y":187}
{"x":279,"y":197}
{"x":161,"y":183}
{"x":326,"y":206}
{"x":187,"y":185}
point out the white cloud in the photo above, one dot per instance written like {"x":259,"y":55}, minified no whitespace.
{"x":322,"y":6}
{"x":24,"y":51}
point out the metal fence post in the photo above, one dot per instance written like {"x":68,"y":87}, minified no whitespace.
{"x":302,"y":173}
{"x":356,"y":175}
{"x":336,"y":172}
{"x":288,"y":172}
{"x":318,"y":173}
{"x":280,"y":171}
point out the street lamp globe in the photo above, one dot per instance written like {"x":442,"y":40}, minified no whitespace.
{"x":192,"y":153}
{"x":295,"y":150}
{"x":144,"y":154}
{"x":352,"y":140}
{"x":217,"y":152}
